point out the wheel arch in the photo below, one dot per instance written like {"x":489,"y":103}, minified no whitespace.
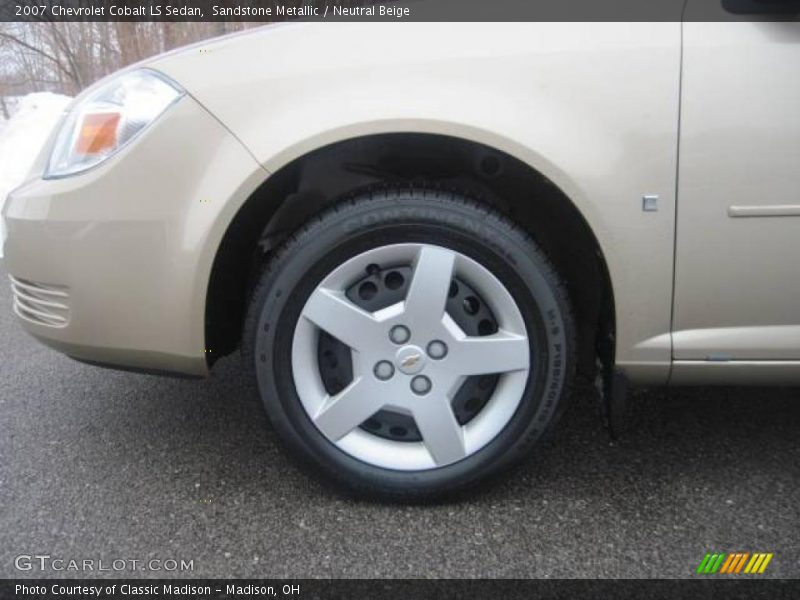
{"x":316,"y":173}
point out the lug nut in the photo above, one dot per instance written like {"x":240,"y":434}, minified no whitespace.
{"x":399,"y":334}
{"x":420,"y":385}
{"x":437,"y":350}
{"x":383,"y":370}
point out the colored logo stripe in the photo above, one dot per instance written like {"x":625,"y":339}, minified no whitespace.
{"x":710,"y":563}
{"x":734,"y":562}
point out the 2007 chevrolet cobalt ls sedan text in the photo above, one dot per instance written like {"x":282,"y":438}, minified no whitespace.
{"x":418,"y":247}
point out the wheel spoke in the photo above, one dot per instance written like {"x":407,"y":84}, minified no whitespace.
{"x":345,"y":411}
{"x":345,"y":321}
{"x":498,"y":353}
{"x":440,"y":430}
{"x":430,"y":283}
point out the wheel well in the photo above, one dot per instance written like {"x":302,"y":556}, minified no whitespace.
{"x":310,"y":183}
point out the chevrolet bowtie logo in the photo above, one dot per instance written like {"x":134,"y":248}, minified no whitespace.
{"x":409,"y":361}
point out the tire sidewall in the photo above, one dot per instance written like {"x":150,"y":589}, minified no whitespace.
{"x":408,"y":217}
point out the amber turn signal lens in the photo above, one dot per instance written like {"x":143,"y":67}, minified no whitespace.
{"x":98,"y":133}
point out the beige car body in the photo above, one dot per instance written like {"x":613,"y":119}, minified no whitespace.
{"x":702,"y":114}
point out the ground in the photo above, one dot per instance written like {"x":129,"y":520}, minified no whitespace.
{"x":101,"y":464}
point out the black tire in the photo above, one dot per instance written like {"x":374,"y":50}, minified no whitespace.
{"x":409,"y":215}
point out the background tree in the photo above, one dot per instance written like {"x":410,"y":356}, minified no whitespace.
{"x":66,"y":57}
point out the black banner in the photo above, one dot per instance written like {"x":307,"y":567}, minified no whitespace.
{"x":354,"y":589}
{"x":405,"y":10}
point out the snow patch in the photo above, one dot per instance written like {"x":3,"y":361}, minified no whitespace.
{"x":22,"y":137}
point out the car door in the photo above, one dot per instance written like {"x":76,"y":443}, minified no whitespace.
{"x":737,"y":279}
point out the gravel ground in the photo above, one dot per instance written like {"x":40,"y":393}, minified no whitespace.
{"x":98,"y":464}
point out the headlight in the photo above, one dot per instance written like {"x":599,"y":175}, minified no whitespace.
{"x":103,"y":122}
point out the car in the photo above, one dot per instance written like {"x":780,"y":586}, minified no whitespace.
{"x":420,"y":237}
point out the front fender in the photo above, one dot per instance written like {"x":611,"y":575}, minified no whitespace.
{"x":593,"y":107}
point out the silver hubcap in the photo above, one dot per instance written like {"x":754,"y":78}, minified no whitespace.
{"x":411,"y":357}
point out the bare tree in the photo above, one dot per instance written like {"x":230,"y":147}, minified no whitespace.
{"x":65,"y":57}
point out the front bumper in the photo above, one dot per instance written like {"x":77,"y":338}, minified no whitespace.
{"x":112,"y":265}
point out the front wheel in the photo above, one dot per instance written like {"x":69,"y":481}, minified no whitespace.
{"x":410,"y":343}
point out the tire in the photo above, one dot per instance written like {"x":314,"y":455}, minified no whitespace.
{"x":416,"y":447}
